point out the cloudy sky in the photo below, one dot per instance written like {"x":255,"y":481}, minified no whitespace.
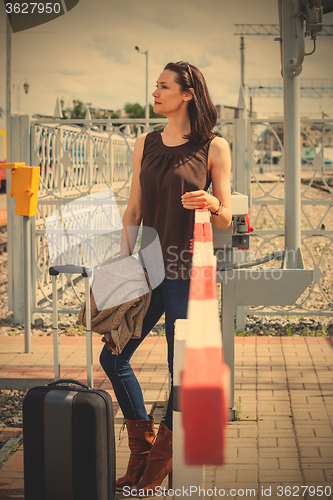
{"x":89,"y":54}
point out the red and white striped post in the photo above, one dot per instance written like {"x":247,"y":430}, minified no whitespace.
{"x":205,"y":387}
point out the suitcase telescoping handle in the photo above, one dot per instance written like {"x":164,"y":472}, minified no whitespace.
{"x":70,"y":269}
{"x":68,"y":381}
{"x":54,"y":271}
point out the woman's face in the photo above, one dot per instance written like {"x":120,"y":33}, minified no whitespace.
{"x":168,"y":97}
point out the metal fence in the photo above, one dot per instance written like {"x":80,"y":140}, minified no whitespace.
{"x":81,"y":157}
{"x":265,"y":162}
{"x":76,"y":160}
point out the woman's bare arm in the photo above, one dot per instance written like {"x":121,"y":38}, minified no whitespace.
{"x":219,"y":162}
{"x":132,"y":216}
{"x":220,"y":167}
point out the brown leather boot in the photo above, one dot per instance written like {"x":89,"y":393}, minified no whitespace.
{"x":141,"y":434}
{"x":158,"y":465}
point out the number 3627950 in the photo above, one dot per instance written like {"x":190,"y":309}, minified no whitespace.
{"x":32,"y":7}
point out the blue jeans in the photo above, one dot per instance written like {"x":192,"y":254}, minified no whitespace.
{"x":171,"y":297}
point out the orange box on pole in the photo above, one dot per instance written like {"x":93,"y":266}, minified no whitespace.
{"x":24,"y":187}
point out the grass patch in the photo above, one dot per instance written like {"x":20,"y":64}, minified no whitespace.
{"x":75,"y":330}
{"x":306,"y":331}
{"x":289,"y":331}
{"x":12,"y":450}
{"x":238,"y":410}
{"x":239,"y":333}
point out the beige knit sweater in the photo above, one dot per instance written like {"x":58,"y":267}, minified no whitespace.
{"x":120,"y":296}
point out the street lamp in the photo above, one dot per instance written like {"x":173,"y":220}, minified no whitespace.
{"x":72,"y":100}
{"x":147,"y":104}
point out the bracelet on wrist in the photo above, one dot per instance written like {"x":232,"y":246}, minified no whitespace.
{"x":219,"y":210}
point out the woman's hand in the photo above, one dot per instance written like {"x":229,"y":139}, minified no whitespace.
{"x":200,"y":199}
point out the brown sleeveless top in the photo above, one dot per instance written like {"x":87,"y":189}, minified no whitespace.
{"x":167,"y":172}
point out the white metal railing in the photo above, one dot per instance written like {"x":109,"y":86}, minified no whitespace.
{"x":265,"y":147}
{"x":75,"y":160}
{"x":78,"y":157}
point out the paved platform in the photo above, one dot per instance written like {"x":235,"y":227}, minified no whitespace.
{"x":282,"y":444}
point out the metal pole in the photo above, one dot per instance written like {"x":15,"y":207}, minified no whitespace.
{"x":228,"y":337}
{"x":147,"y":103}
{"x":10,"y":211}
{"x":26,"y":267}
{"x":242,"y":49}
{"x":183,"y":475}
{"x":19,"y":98}
{"x":55,"y":329}
{"x":292,"y":157}
{"x":89,"y":335}
{"x":8,"y":91}
{"x":241,"y":183}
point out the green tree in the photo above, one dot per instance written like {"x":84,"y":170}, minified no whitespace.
{"x":137,"y":111}
{"x":78,"y":111}
{"x":134,"y":110}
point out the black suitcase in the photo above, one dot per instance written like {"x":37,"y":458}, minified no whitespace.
{"x":68,"y":434}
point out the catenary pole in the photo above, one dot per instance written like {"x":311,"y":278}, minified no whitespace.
{"x":147,"y":101}
{"x":8,"y":90}
{"x":292,"y":43}
{"x":242,"y":50}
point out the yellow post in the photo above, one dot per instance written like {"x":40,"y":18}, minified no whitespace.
{"x":24,"y":187}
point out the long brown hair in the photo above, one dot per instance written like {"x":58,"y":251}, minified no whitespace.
{"x":202,"y":111}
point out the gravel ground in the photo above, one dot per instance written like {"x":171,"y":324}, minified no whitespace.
{"x":11,"y":408}
{"x":317,"y":251}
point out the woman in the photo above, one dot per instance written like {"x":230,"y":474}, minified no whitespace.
{"x":172,"y":170}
